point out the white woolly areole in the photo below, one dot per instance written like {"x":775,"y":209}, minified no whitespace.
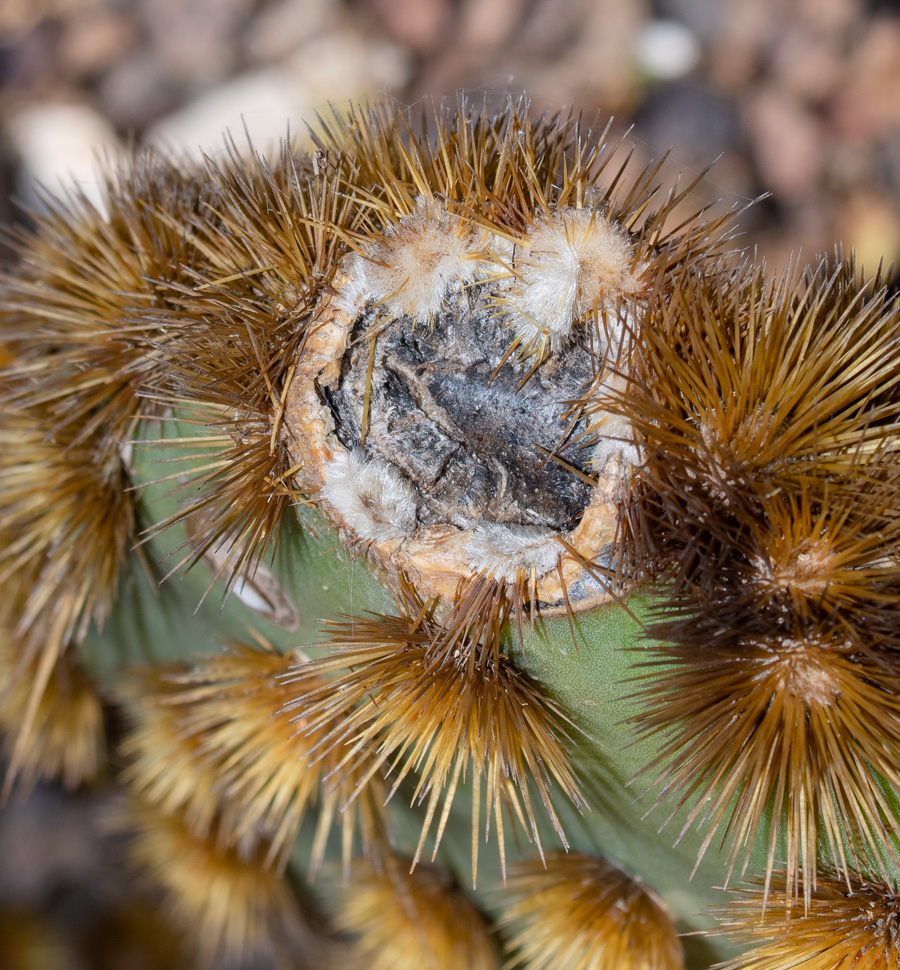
{"x":575,"y":264}
{"x":415,"y":264}
{"x":615,"y":440}
{"x":352,"y":295}
{"x":504,"y":550}
{"x":373,"y":497}
{"x":615,"y":433}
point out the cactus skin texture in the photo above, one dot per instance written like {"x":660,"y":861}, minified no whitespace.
{"x":452,"y":483}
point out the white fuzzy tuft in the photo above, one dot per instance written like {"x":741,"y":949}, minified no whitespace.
{"x":615,"y":441}
{"x":573,"y":265}
{"x":372,"y":496}
{"x":615,"y":434}
{"x":352,"y":295}
{"x":417,"y":262}
{"x":504,"y":550}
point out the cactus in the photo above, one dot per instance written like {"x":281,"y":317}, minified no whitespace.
{"x":470,"y":535}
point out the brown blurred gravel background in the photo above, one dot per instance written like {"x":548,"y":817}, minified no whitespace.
{"x":800,"y":98}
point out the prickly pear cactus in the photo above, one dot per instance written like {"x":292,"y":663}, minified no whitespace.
{"x":464,"y":531}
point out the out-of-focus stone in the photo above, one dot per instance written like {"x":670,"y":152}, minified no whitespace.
{"x":197,"y":42}
{"x":867,"y":104}
{"x":418,"y":24}
{"x":832,"y":16}
{"x":787,"y":144}
{"x":345,"y":64}
{"x":747,"y":29}
{"x":18,"y":16}
{"x":29,"y":67}
{"x":666,"y":50}
{"x":281,"y":28}
{"x":702,"y":17}
{"x":542,"y":47}
{"x":869,"y":223}
{"x":808,"y":63}
{"x":695,"y":122}
{"x":262,"y":104}
{"x":60,"y":145}
{"x":94,"y":42}
{"x":136,"y":92}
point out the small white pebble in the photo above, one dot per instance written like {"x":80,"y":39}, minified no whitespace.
{"x":61,"y":146}
{"x":667,"y":50}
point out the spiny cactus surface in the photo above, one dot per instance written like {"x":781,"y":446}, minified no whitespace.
{"x":468,"y":532}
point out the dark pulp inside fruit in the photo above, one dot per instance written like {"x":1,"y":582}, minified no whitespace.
{"x":476,"y":444}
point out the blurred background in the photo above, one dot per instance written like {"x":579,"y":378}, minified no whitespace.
{"x":799,"y":99}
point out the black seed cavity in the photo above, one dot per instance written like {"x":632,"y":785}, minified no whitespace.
{"x":470,"y":445}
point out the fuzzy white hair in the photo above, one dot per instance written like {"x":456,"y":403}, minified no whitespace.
{"x":372,"y":496}
{"x":504,"y":550}
{"x":572,"y":265}
{"x":615,"y":433}
{"x":615,"y":440}
{"x":418,"y":261}
{"x":352,"y":295}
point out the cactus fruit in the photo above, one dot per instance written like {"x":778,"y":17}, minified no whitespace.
{"x":450,"y":483}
